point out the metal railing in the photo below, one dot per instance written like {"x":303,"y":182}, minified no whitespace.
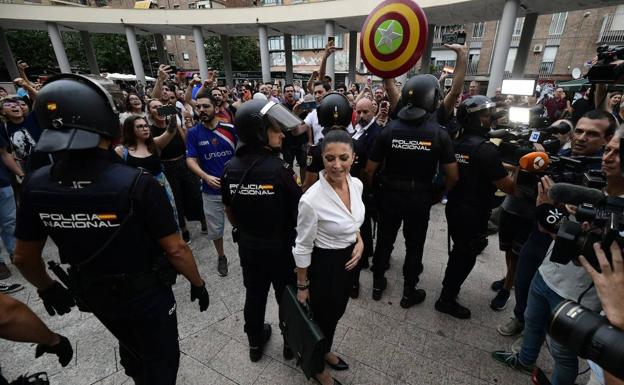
{"x":546,"y":69}
{"x":612,"y":30}
{"x":473,"y":68}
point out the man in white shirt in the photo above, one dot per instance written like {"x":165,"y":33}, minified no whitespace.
{"x":311,"y":124}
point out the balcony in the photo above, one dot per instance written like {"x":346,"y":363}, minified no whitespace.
{"x":546,"y":69}
{"x":473,"y":68}
{"x":612,"y":30}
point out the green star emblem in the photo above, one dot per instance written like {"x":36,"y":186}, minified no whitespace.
{"x":388,"y":36}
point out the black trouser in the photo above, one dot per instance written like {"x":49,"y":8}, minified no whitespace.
{"x":261,"y":268}
{"x":413,"y":210}
{"x":467,"y":226}
{"x":186,"y":189}
{"x":366,"y":231}
{"x":147,"y":330}
{"x":295,"y":151}
{"x":330,"y":283}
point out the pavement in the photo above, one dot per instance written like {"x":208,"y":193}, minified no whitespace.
{"x":382,"y":342}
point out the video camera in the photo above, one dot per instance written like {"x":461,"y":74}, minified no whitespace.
{"x":603,"y":71}
{"x":605,"y":216}
{"x":589,"y":335}
{"x":517,"y":142}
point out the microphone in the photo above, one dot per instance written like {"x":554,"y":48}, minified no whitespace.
{"x":561,"y":128}
{"x":534,"y":161}
{"x":573,"y":194}
{"x":549,"y":217}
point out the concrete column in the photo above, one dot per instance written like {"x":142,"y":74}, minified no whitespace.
{"x":200,"y":51}
{"x":135,"y":54}
{"x":265,"y":59}
{"x":7,"y":55}
{"x":503,"y":41}
{"x":425,"y":60}
{"x":353,"y":41}
{"x":90,"y":53}
{"x":59,"y":49}
{"x":528,"y":28}
{"x":331,"y":61}
{"x":227,"y":60}
{"x":159,"y":41}
{"x":288,"y":57}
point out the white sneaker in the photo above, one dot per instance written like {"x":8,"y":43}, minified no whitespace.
{"x":511,"y":328}
{"x":10,"y":288}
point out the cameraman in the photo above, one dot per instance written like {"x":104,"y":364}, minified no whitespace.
{"x":555,"y":282}
{"x":610,"y":283}
{"x":518,"y":233}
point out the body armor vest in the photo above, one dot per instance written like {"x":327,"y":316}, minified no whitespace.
{"x":471,"y":189}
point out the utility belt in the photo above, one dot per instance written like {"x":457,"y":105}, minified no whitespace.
{"x":407,"y":185}
{"x":95,"y":289}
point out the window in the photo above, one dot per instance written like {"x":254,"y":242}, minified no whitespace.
{"x":182,"y":37}
{"x":474,"y":55}
{"x":168,"y":37}
{"x":186,"y":56}
{"x":441,"y":30}
{"x":557,"y":23}
{"x":618,"y":19}
{"x":548,"y":60}
{"x":271,"y":2}
{"x":303,"y":42}
{"x":511,"y":58}
{"x":518,"y":27}
{"x":171,"y":59}
{"x":478,"y":29}
{"x":443,"y":58}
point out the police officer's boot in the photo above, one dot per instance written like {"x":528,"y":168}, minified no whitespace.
{"x":447,"y":303}
{"x":257,"y":342}
{"x":412,"y":296}
{"x":379,"y":285}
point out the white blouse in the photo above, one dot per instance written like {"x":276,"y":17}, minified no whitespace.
{"x":324,"y":221}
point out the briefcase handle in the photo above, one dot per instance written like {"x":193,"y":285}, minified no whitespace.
{"x":308,"y":309}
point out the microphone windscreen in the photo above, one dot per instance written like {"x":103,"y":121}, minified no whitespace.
{"x":534,"y":161}
{"x":573,"y":194}
{"x":549,"y":217}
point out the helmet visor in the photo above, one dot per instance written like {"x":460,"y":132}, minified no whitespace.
{"x":280,"y":117}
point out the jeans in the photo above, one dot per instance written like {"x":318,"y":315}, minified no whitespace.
{"x":531,"y":256}
{"x":7,"y":219}
{"x":542,"y":300}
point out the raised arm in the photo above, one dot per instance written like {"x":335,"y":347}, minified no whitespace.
{"x":458,"y":77}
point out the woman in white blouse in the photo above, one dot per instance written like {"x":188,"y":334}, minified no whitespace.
{"x":329,"y":245}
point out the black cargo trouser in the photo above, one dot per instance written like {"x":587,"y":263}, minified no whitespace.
{"x":411,"y":209}
{"x":147,"y":330}
{"x":261,"y":269}
{"x":467,"y":226}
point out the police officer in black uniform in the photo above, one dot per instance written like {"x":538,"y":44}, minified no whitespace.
{"x":468,"y":209}
{"x":112,"y":224}
{"x":261,"y":194}
{"x":411,"y":148}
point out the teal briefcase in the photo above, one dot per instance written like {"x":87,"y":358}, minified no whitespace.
{"x":304,"y":336}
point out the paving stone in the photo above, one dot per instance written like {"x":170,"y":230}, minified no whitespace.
{"x":233,"y":361}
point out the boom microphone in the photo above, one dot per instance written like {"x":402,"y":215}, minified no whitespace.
{"x":534,"y":161}
{"x":573,"y":194}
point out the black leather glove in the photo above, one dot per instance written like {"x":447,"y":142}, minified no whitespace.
{"x":200,"y":293}
{"x":57,"y":299}
{"x":63,"y":350}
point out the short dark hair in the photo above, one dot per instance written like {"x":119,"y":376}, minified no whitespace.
{"x":327,"y":78}
{"x":325,"y":85}
{"x":171,"y":85}
{"x":337,"y":135}
{"x":341,"y":85}
{"x":600,"y":115}
{"x":205,"y":94}
{"x":217,"y":89}
{"x":288,"y":85}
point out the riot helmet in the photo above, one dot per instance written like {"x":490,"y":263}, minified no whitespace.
{"x":471,"y":111}
{"x":254,"y":117}
{"x":419,"y":96}
{"x":75,"y":110}
{"x":334,"y":110}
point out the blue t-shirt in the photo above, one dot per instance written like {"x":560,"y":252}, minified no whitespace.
{"x":212,"y":149}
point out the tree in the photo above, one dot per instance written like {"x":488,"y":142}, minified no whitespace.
{"x":244,"y":52}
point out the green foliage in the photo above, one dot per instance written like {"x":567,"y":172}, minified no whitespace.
{"x":244,"y":52}
{"x":111,"y":51}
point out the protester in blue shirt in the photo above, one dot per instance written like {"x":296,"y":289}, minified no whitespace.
{"x":209,"y":145}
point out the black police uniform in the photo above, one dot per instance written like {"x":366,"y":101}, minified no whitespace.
{"x":105,"y":218}
{"x":469,"y":207}
{"x":265,"y":213}
{"x":411,"y":152}
{"x":294,"y":146}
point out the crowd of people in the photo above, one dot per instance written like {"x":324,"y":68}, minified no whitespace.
{"x":353,"y":156}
